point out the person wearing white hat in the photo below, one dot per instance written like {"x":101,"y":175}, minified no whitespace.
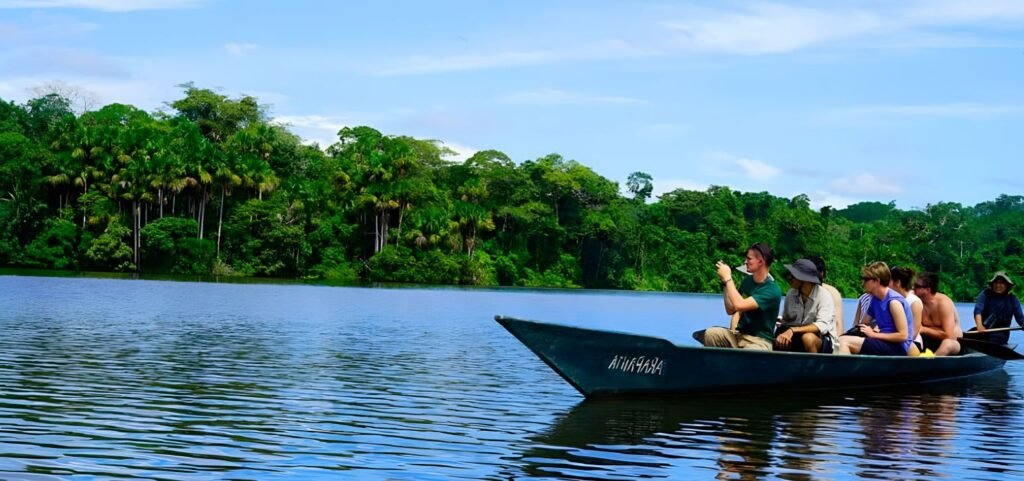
{"x":996,"y":307}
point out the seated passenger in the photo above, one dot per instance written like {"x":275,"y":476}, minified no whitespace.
{"x":808,"y":315}
{"x":860,"y":315}
{"x":902,"y":281}
{"x":940,"y":326}
{"x":889,"y":310}
{"x":837,"y":298}
{"x":756,"y":300}
{"x":996,"y":307}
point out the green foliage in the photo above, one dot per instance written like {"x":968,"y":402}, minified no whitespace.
{"x":867,"y":212}
{"x":110,"y":250}
{"x":55,"y":247}
{"x":215,"y":188}
{"x":169,"y":245}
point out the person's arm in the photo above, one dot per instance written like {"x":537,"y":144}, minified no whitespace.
{"x":837,"y":304}
{"x":979,"y":308}
{"x":1018,"y":313}
{"x":725,"y":277}
{"x":899,"y":319}
{"x":825,"y":318}
{"x":916,"y":310}
{"x":734,"y":301}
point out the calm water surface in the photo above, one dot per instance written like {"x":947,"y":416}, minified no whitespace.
{"x":103,"y":378}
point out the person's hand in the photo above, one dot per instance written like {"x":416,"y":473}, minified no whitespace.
{"x":867,"y":331}
{"x":724,"y":271}
{"x":784,"y":340}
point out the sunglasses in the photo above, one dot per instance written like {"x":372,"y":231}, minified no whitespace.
{"x":920,"y":286}
{"x":866,"y":278}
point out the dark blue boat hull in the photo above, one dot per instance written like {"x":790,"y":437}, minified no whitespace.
{"x":601,"y":363}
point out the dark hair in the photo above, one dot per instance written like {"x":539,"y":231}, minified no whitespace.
{"x":819,"y":264}
{"x":765,"y":251}
{"x":929,"y":280}
{"x":904,"y":275}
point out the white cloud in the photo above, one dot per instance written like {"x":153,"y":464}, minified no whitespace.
{"x":948,"y":110}
{"x":105,"y":5}
{"x":239,"y":49}
{"x":867,"y":185}
{"x":319,"y":122}
{"x":662,"y":187}
{"x":459,"y":152}
{"x":728,"y":165}
{"x":773,"y":28}
{"x":146,"y":95}
{"x":752,"y":28}
{"x":822,"y":198}
{"x":320,"y":129}
{"x":770,"y":28}
{"x":561,"y":97}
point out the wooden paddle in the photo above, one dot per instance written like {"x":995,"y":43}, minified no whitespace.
{"x":992,"y":349}
{"x":987,"y":331}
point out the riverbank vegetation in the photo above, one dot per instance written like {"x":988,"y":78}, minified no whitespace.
{"x":211,"y":186}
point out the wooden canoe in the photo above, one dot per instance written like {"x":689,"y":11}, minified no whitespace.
{"x":601,"y":363}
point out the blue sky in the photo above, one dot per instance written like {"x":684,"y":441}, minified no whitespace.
{"x":915,"y":102}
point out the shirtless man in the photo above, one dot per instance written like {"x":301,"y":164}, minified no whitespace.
{"x":939,"y":321}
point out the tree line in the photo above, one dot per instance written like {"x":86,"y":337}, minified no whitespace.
{"x":211,"y":186}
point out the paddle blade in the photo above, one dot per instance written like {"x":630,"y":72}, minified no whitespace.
{"x":992,"y":349}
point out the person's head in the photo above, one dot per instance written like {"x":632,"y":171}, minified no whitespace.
{"x":819,"y":264}
{"x":803,"y":270}
{"x":875,"y":272}
{"x":903,"y":275}
{"x":1000,"y":283}
{"x":759,"y":256}
{"x":927,"y":283}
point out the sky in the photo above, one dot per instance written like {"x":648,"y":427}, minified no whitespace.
{"x":915,"y":102}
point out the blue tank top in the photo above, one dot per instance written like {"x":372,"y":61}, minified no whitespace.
{"x":879,"y":310}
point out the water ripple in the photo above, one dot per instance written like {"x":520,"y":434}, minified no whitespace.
{"x":162,"y":380}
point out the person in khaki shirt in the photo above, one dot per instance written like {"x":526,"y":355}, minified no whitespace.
{"x":808,"y":315}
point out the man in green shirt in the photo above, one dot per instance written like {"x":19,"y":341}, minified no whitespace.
{"x":756,"y":300}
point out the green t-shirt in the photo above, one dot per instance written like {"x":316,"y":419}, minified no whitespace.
{"x":761,"y":321}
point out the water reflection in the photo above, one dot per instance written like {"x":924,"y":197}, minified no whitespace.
{"x":897,"y":434}
{"x":104,"y":379}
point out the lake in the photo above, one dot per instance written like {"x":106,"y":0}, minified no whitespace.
{"x":114,"y":378}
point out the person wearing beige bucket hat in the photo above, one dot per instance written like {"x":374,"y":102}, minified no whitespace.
{"x":996,"y":306}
